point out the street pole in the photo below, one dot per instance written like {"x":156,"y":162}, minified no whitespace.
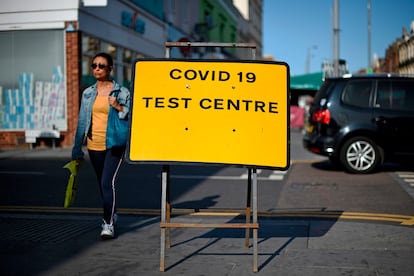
{"x":336,"y":38}
{"x":369,"y":35}
{"x":308,"y":58}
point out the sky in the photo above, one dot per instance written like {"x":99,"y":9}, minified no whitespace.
{"x":292,"y":28}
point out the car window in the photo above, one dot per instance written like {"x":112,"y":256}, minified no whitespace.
{"x":395,"y":94}
{"x":357,"y":93}
{"x":324,"y":91}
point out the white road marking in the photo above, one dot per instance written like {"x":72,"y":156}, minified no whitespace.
{"x":407,"y":177}
{"x":276,"y":175}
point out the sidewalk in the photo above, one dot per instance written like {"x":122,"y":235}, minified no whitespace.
{"x":70,"y":245}
{"x":36,"y":153}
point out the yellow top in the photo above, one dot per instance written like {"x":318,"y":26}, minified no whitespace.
{"x":100,"y":111}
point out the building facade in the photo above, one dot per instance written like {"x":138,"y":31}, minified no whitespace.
{"x":399,"y":56}
{"x":46,"y":49}
{"x":406,"y":52}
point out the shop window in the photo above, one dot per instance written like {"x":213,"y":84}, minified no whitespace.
{"x":127,"y":56}
{"x":127,"y":77}
{"x":90,"y":44}
{"x":108,"y":48}
{"x":32,"y":80}
{"x":90,"y":47}
{"x":122,"y":67}
{"x":87,"y":76}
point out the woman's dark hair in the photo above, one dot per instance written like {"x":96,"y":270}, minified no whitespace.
{"x":107,"y":57}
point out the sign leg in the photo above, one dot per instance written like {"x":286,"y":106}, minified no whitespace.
{"x":248,"y":207}
{"x":168,"y":209}
{"x":164,"y":185}
{"x":255,"y":230}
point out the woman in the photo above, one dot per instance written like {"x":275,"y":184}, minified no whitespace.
{"x":100,"y":103}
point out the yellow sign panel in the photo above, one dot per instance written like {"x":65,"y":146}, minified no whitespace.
{"x":222,"y":112}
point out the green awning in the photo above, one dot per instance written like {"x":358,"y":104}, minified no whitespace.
{"x":311,"y":81}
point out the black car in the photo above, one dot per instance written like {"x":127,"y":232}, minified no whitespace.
{"x":362,"y":121}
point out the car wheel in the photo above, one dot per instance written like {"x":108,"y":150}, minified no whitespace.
{"x":360,"y":155}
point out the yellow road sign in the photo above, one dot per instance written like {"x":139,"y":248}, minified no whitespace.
{"x":209,"y":111}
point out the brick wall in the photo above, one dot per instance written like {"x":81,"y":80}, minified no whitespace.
{"x":73,"y":78}
{"x":12,"y":139}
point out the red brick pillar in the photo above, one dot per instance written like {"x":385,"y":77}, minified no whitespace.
{"x":73,"y":80}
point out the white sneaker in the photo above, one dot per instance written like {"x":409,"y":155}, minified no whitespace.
{"x":107,"y":231}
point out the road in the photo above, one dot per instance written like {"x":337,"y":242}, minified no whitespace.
{"x":311,"y":184}
{"x":314,"y":219}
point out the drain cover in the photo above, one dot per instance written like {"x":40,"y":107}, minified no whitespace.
{"x":43,"y":229}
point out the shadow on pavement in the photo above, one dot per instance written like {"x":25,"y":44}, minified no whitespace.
{"x":274,"y":236}
{"x":34,"y":244}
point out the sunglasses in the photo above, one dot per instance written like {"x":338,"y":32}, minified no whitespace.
{"x":101,"y":66}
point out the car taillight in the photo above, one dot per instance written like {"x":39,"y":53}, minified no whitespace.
{"x":321,"y":116}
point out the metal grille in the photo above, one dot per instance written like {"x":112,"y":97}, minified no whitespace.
{"x":43,"y":230}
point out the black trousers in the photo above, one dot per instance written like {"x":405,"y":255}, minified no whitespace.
{"x":106,"y":165}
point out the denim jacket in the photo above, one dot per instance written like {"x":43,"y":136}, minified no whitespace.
{"x":85,"y":116}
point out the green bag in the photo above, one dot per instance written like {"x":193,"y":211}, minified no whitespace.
{"x":74,"y":167}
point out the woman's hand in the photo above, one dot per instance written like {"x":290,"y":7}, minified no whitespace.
{"x":114,"y":103}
